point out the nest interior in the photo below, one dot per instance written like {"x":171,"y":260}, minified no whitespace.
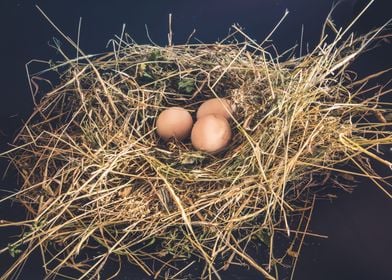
{"x":95,"y":173}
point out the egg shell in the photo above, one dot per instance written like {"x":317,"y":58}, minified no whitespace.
{"x":217,"y":106}
{"x":211,"y":133}
{"x":174,"y":122}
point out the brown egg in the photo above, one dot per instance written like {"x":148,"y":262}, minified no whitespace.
{"x":174,"y":122}
{"x":211,"y":133}
{"x":217,"y":106}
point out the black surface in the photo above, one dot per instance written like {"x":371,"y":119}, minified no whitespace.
{"x":359,"y":225}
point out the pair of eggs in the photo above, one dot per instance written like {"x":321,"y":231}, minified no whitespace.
{"x":211,"y":131}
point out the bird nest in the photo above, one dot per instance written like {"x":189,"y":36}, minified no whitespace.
{"x":99,"y":185}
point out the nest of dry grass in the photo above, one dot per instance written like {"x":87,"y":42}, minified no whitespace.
{"x":97,"y":177}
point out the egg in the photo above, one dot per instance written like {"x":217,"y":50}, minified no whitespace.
{"x":217,"y":106}
{"x":174,"y":122}
{"x":211,"y":133}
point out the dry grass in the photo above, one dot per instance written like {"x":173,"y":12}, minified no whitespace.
{"x":95,"y":174}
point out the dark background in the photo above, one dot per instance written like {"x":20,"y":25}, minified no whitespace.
{"x":359,"y":225}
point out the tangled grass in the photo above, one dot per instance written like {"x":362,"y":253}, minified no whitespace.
{"x":97,"y":177}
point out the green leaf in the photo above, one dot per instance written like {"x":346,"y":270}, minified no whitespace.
{"x":264,"y":237}
{"x":146,"y":75}
{"x":186,"y":84}
{"x":155,"y":55}
{"x":13,"y":250}
{"x":191,"y":158}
